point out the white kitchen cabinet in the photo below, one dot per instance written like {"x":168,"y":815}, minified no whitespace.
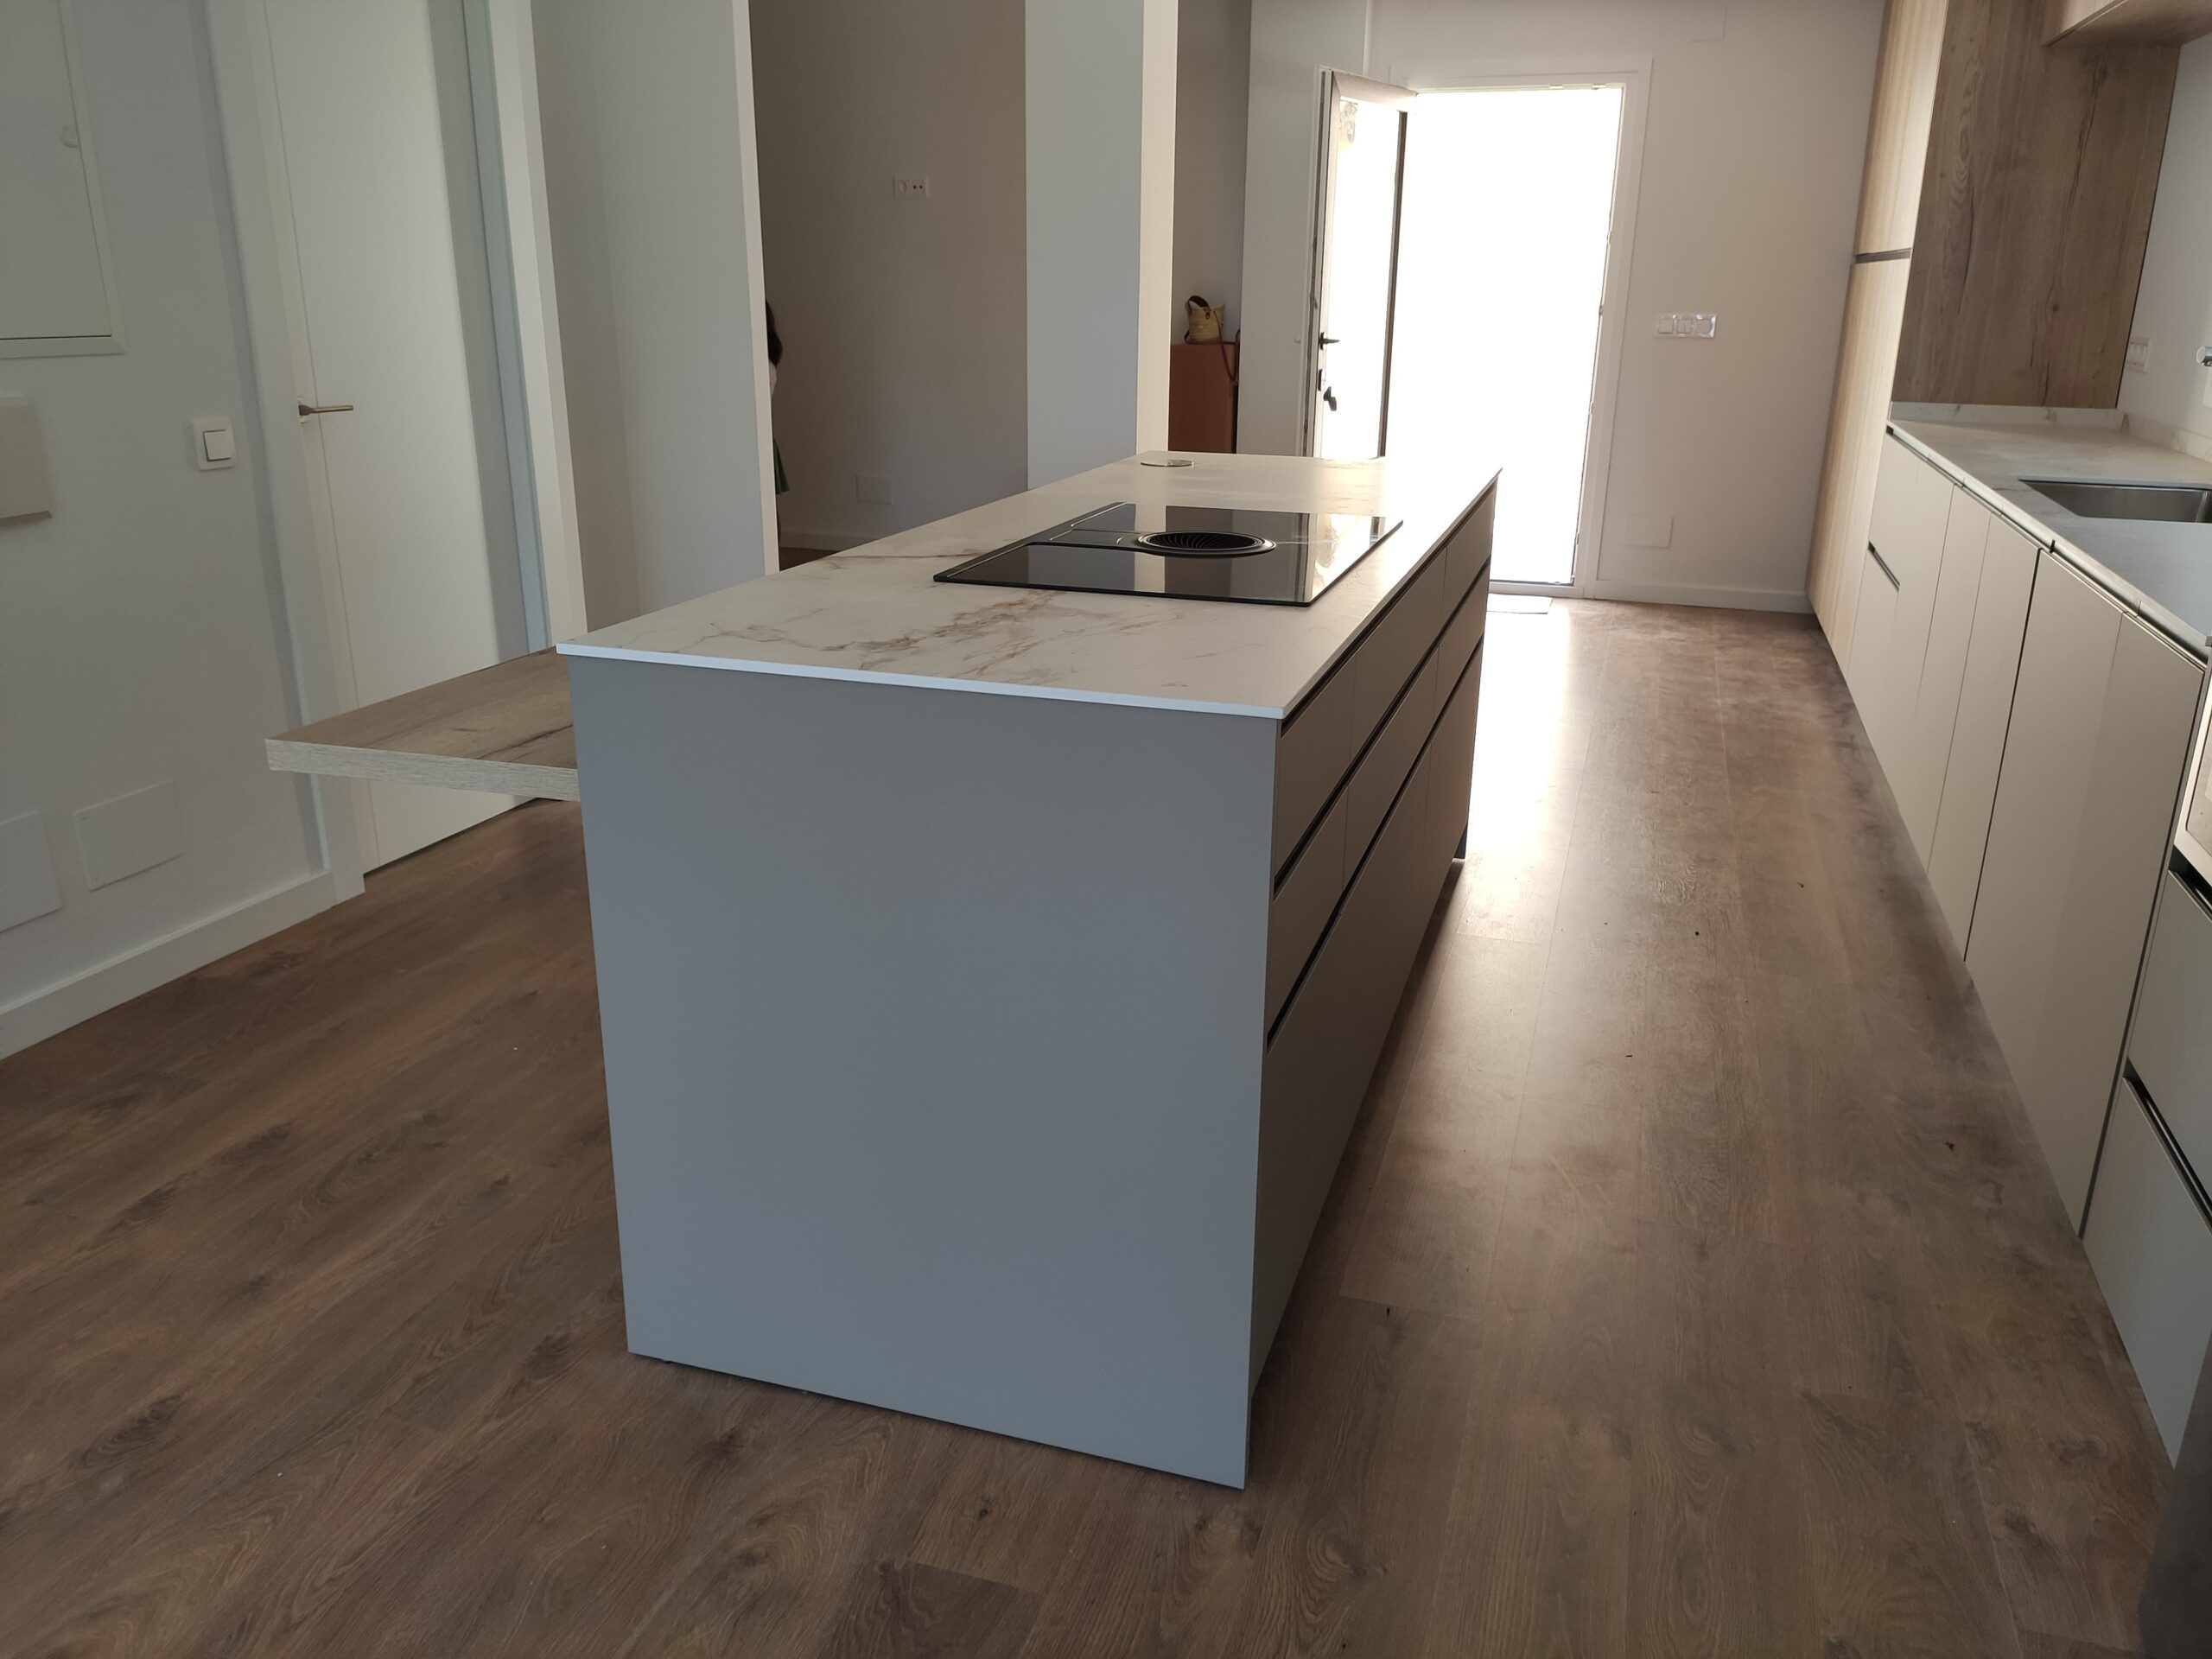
{"x":1924,"y":743}
{"x":2099,"y":731}
{"x":2006,"y":575}
{"x":1897,"y":597}
{"x":2152,"y":1247}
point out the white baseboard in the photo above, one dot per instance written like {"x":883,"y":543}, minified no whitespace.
{"x":109,"y":984}
{"x":1727,"y":598}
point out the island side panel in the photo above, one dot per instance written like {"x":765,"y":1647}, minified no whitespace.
{"x":933,"y":1033}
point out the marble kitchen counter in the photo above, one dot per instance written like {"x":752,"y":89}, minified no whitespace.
{"x":874,"y":613}
{"x":2162,"y":570}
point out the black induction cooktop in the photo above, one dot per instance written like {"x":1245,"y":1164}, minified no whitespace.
{"x":1241,"y":554}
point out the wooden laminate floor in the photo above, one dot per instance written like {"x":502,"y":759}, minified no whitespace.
{"x":1692,"y":1285}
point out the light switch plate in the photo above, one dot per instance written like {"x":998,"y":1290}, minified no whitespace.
{"x":129,"y":834}
{"x":215,"y":445}
{"x":28,"y":889}
{"x":2138,"y":353}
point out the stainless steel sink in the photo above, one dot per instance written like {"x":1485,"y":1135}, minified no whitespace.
{"x":2173,"y":504}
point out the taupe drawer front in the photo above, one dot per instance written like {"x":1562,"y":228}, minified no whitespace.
{"x":1316,"y":746}
{"x":1393,"y":649}
{"x":1463,"y":633}
{"x":2170,"y":1044}
{"x":1320,"y":740}
{"x":1468,"y":557}
{"x":1388,"y":759}
{"x":1303,"y":903}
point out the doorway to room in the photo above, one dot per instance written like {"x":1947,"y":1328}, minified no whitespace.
{"x":1471,"y":265}
{"x":1506,"y":239}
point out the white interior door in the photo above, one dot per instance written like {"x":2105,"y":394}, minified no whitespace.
{"x":1355,"y":267}
{"x":380,"y":162}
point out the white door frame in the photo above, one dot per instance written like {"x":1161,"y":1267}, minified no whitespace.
{"x":290,"y":449}
{"x":1338,"y":84}
{"x":1632,"y":73}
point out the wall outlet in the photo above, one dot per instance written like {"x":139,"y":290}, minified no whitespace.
{"x":910,"y":184}
{"x":2138,"y":353}
{"x":872,"y":486}
{"x":1689,"y":325}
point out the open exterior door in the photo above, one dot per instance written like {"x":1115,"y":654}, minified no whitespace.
{"x":1355,"y":267}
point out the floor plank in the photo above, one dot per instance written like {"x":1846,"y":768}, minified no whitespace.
{"x":1691,"y":1284}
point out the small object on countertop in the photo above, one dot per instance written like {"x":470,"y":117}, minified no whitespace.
{"x":1163,"y":460}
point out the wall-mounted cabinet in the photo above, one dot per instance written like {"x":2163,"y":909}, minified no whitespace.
{"x":2097,"y":23}
{"x":57,"y":293}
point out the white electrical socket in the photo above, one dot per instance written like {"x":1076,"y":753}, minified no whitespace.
{"x":910,"y":185}
{"x":2139,"y":352}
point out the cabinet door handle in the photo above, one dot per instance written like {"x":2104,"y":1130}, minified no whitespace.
{"x":1874,"y":553}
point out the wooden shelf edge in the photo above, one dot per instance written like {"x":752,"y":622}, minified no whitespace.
{"x":434,"y":770}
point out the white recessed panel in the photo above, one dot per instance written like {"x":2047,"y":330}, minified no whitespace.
{"x":129,"y":834}
{"x":26,"y":487}
{"x":26,"y":884}
{"x":53,"y":285}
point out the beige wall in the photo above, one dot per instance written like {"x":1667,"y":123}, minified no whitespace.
{"x":1754,"y":146}
{"x":903,"y":321}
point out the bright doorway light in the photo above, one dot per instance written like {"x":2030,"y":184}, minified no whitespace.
{"x":1502,"y":247}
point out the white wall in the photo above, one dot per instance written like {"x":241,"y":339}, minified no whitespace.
{"x":1293,"y":42}
{"x":1213,"y":78}
{"x":1754,"y":148}
{"x":903,"y":321}
{"x":2173,"y":309}
{"x":651,"y":186}
{"x":1099,"y":84}
{"x":140,"y":631}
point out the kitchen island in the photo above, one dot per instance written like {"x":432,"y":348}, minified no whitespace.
{"x":990,"y":976}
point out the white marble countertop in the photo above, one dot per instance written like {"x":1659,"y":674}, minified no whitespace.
{"x":874,"y":613}
{"x":2163,"y":571}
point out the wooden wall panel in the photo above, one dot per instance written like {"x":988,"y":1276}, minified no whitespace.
{"x":1896,"y":140}
{"x":2088,"y":21}
{"x":1871,"y":316}
{"x":2042,"y":169}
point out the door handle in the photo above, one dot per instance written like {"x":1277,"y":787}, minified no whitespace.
{"x":1331,"y":340}
{"x":307,"y":409}
{"x":1329,"y":396}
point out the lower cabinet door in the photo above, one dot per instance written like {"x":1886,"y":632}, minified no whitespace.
{"x":1924,"y":743}
{"x":2018,"y":950}
{"x":2151,"y":1246}
{"x":1873,"y":637}
{"x":1985,"y":708}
